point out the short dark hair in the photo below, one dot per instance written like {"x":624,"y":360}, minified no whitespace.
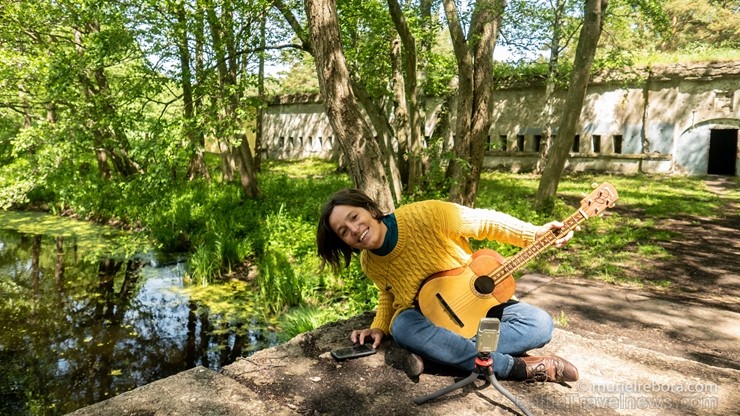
{"x":331,"y":248}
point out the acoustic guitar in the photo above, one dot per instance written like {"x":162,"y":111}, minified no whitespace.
{"x":457,"y":299}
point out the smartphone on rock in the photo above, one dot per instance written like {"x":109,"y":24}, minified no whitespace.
{"x":354,"y":351}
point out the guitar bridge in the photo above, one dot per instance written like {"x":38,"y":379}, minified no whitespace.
{"x":449,"y":311}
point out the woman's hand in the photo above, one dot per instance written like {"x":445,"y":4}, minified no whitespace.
{"x":560,"y":242}
{"x":367,"y":336}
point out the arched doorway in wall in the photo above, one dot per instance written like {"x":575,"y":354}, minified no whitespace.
{"x":715,"y":139}
{"x":723,"y":150}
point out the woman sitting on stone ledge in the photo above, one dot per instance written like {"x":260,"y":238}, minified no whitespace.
{"x":400,"y":250}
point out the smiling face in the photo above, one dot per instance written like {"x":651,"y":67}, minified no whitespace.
{"x":357,"y":227}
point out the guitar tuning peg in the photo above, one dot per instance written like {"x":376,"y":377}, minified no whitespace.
{"x":594,"y":185}
{"x":583,"y":195}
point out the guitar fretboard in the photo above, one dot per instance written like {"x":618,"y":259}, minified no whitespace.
{"x":518,"y":260}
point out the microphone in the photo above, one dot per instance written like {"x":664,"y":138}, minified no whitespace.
{"x":488,"y":333}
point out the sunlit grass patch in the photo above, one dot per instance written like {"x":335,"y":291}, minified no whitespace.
{"x":653,"y":251}
{"x":624,"y":244}
{"x":715,"y":54}
{"x":304,"y":319}
{"x":561,"y":319}
{"x":304,"y":168}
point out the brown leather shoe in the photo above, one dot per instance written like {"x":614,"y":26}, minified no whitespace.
{"x":550,"y":368}
{"x":414,"y":365}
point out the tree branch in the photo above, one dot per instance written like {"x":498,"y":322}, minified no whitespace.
{"x":299,"y":30}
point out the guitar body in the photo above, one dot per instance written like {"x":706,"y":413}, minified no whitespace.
{"x":457,"y":299}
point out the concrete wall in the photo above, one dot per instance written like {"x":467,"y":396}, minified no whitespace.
{"x":295,"y":130}
{"x":663,"y":123}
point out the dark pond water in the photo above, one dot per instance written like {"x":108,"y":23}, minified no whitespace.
{"x":75,"y":332}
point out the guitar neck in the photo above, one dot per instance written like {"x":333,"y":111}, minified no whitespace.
{"x":511,"y":264}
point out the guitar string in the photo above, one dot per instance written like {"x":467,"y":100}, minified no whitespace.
{"x":466,"y":301}
{"x":514,"y":262}
{"x":505,"y":269}
{"x":508,"y":266}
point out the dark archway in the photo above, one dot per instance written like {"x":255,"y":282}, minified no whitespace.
{"x":722,"y":152}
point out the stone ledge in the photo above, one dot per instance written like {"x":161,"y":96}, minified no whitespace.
{"x":198,"y":391}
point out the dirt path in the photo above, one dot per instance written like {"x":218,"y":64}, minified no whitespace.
{"x":705,"y":267}
{"x":704,"y":275}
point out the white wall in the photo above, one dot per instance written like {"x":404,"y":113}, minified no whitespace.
{"x":664,"y":122}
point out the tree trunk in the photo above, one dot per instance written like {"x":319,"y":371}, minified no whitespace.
{"x":594,"y":11}
{"x":100,"y":155}
{"x":109,"y":139}
{"x":552,"y":69}
{"x":261,"y":93}
{"x":116,"y":142}
{"x":223,"y":41}
{"x":227,"y":159}
{"x":458,"y":167}
{"x":411,"y":91}
{"x":400,"y":109}
{"x":428,"y":38}
{"x":220,"y":102}
{"x":200,"y":76}
{"x":197,"y":166}
{"x":646,"y":112}
{"x":27,"y":118}
{"x":475,"y":91}
{"x":247,"y":172}
{"x":384,"y":137}
{"x":352,"y":132}
{"x":485,"y":27}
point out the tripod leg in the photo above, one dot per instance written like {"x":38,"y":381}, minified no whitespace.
{"x":492,"y":380}
{"x":464,"y":382}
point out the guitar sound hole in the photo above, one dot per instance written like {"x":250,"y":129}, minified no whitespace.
{"x":484,"y":285}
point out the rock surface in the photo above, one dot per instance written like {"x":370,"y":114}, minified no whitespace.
{"x":636,"y":353}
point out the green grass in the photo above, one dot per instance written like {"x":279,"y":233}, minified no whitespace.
{"x":303,"y":319}
{"x":620,"y":246}
{"x":701,"y":55}
{"x":561,"y":319}
{"x":301,"y":169}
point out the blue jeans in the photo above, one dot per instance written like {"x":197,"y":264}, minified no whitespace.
{"x":523,"y":327}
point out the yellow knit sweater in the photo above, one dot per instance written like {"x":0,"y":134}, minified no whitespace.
{"x":433,"y":237}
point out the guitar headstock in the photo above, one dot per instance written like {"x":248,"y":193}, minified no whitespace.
{"x":602,"y":197}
